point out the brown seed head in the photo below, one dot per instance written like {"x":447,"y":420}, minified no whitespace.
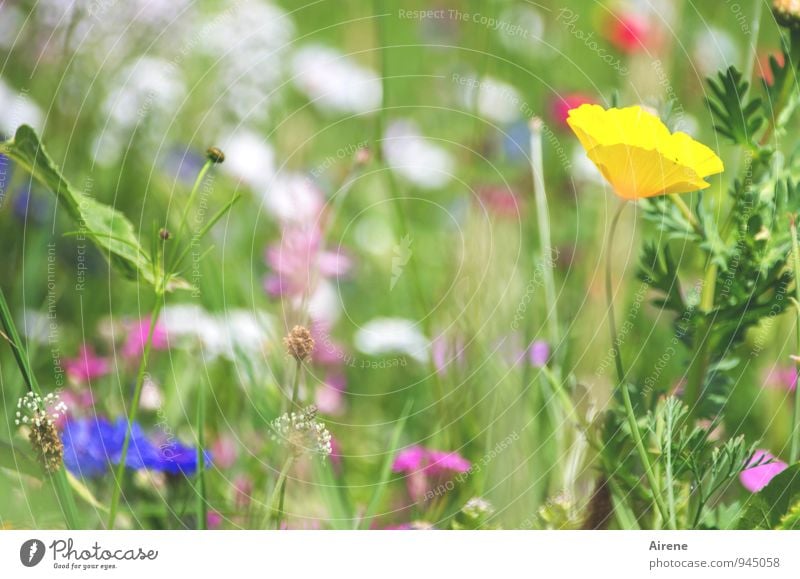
{"x":45,"y":440}
{"x":299,"y":343}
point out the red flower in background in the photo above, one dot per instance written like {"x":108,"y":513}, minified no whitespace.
{"x":562,"y":104}
{"x":629,"y":33}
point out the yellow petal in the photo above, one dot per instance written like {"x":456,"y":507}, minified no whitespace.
{"x":636,"y":173}
{"x":638,"y":155}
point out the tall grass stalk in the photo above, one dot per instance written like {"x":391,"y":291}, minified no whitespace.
{"x":59,"y":478}
{"x":543,"y":222}
{"x":652,"y":479}
{"x":132,"y":412}
{"x":794,"y":450}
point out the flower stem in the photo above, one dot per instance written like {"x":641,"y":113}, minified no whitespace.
{"x":298,"y":370}
{"x":626,"y":396}
{"x":201,"y":504}
{"x":794,"y":452}
{"x":276,"y":502}
{"x":687,"y":213}
{"x":543,"y":221}
{"x":59,"y":478}
{"x":398,"y":204}
{"x":696,"y":374}
{"x":132,"y":410}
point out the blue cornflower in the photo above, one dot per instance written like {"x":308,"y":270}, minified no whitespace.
{"x":92,"y":444}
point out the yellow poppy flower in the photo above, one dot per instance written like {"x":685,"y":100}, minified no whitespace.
{"x":638,"y":155}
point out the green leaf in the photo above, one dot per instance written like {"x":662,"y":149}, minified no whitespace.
{"x":16,"y":460}
{"x":109,"y":229}
{"x":335,"y":495}
{"x":775,"y":506}
{"x":736,"y":118}
{"x":386,"y":469}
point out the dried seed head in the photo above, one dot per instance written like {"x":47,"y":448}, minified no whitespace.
{"x":215,"y":155}
{"x":787,"y":13}
{"x":40,"y":414}
{"x":299,"y":343}
{"x":302,"y":433}
{"x":45,"y":440}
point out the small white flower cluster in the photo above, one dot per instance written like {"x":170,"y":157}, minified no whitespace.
{"x":302,"y":433}
{"x":35,"y":410}
{"x":476,"y":507}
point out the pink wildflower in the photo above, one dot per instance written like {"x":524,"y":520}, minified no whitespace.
{"x":213,"y":520}
{"x":137,"y":339}
{"x":329,"y":396}
{"x":782,"y":377}
{"x":297,"y":261}
{"x":756,"y":478}
{"x":425,"y":467}
{"x":225,"y":451}
{"x":538,"y":353}
{"x":86,"y":366}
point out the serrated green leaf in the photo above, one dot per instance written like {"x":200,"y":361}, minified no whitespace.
{"x":736,"y":118}
{"x":110,"y":230}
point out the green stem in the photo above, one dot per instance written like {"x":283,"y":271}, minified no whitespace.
{"x":59,"y":478}
{"x":399,"y":206}
{"x":626,"y":397}
{"x":298,"y":369}
{"x":696,"y":374}
{"x":276,"y":502}
{"x":794,"y":452}
{"x":132,"y":410}
{"x":670,"y":481}
{"x":686,"y":212}
{"x":201,"y":504}
{"x":190,"y":202}
{"x":543,"y":221}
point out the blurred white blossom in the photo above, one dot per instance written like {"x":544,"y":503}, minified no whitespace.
{"x":334,"y":82}
{"x":416,"y":158}
{"x":392,"y":336}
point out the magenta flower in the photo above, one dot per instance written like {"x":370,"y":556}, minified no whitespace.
{"x":446,"y":462}
{"x":329,"y":396}
{"x":224,"y":451}
{"x":410,"y":459}
{"x":782,"y":377}
{"x":298,"y":260}
{"x":425,"y":468}
{"x":213,"y":520}
{"x":756,"y":478}
{"x":137,"y":339}
{"x":538,"y":353}
{"x":86,"y":366}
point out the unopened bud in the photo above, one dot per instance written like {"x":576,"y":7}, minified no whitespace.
{"x":215,"y":155}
